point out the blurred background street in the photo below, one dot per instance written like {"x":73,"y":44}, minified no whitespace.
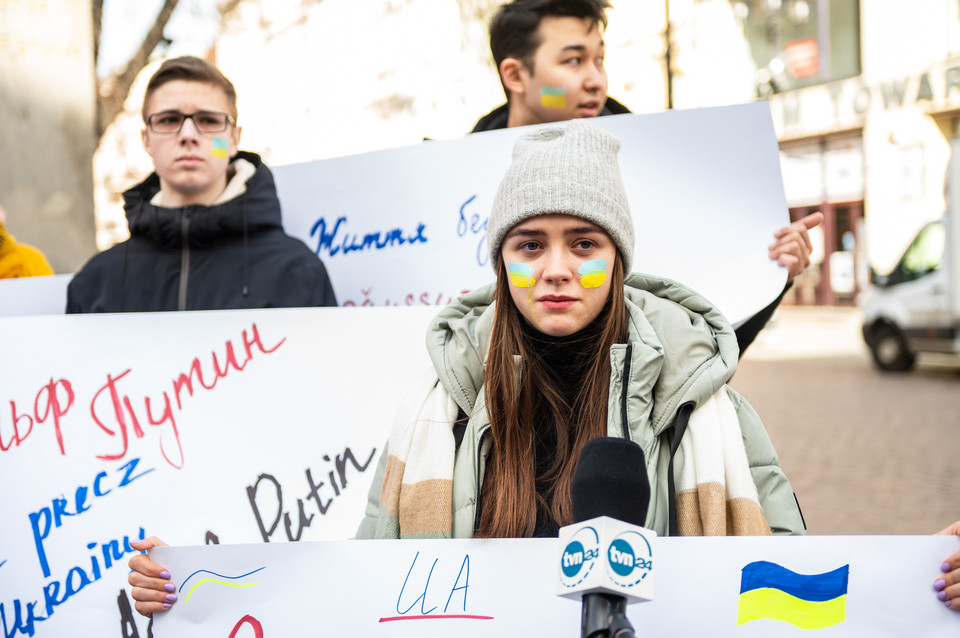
{"x":867,"y":452}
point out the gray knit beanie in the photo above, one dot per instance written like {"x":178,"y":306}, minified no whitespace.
{"x":570,"y":170}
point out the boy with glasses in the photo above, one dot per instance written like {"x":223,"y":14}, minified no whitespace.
{"x":205,"y":229}
{"x":550,"y":55}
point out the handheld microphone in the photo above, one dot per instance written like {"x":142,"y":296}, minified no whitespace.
{"x":606,"y":555}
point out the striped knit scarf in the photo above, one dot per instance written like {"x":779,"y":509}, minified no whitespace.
{"x":716,"y":495}
{"x":416,"y":498}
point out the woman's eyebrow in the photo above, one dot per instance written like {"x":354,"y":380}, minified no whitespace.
{"x":537,"y":232}
{"x":583,"y":229}
{"x":525,"y":232}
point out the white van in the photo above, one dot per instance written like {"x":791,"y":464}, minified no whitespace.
{"x":915,"y":308}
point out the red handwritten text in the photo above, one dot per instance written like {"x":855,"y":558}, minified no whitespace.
{"x":410,"y":299}
{"x":121,"y":419}
{"x":248,"y":620}
{"x":47,"y":404}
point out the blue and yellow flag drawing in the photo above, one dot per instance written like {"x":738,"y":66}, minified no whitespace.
{"x":813,"y":601}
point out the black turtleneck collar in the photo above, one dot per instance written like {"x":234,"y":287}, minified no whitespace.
{"x":564,"y":355}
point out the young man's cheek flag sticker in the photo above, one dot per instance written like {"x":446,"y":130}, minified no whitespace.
{"x":553,"y":98}
{"x":218,"y":147}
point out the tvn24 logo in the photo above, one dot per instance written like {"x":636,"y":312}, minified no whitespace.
{"x":628,"y":557}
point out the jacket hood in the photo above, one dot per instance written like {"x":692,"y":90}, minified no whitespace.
{"x":497,"y":118}
{"x":665,"y":316}
{"x":256,"y":209}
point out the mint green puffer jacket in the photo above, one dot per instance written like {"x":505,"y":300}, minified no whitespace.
{"x":680,"y":351}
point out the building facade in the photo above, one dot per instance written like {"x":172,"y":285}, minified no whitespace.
{"x":865,"y":98}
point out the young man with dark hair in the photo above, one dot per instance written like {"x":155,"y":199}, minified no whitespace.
{"x":205,"y":229}
{"x":550,"y":55}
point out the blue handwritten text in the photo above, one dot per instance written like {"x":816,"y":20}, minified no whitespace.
{"x":334,"y":242}
{"x":24,"y":615}
{"x":42,"y":519}
{"x":475,"y":227}
{"x":460,"y":586}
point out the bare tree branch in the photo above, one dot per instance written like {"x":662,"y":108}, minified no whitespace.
{"x":114,"y":89}
{"x":226,"y":7}
{"x":97,"y":27}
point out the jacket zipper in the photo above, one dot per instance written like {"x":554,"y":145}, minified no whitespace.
{"x":184,"y":258}
{"x":683,"y":417}
{"x":623,"y":393}
{"x":476,"y":507}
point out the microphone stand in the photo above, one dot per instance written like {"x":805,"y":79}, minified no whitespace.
{"x":604,"y":616}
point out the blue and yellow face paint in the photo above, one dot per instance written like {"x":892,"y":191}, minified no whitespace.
{"x":521,"y":275}
{"x":219,"y":147}
{"x":771,"y":591}
{"x":553,"y":98}
{"x":593,"y":273}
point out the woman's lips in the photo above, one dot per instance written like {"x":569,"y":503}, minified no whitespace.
{"x":556,"y":302}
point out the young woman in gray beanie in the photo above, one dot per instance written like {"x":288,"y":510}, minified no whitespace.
{"x":566,"y":346}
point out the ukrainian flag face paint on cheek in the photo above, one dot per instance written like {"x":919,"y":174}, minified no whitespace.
{"x":553,"y":98}
{"x":218,"y":147}
{"x":521,"y":275}
{"x":593,"y":273}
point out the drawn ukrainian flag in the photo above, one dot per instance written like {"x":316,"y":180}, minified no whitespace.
{"x":771,"y":591}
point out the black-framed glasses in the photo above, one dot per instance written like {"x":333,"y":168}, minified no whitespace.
{"x":167,"y":122}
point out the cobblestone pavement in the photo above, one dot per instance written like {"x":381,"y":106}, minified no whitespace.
{"x":867,"y":452}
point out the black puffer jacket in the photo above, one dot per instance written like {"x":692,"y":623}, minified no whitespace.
{"x":229,"y":255}
{"x":497,"y":118}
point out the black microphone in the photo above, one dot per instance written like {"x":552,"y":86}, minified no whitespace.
{"x":611,"y":480}
{"x":607,"y":556}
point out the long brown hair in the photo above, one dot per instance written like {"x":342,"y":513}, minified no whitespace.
{"x":509,"y":495}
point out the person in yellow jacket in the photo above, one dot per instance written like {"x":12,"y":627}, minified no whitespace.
{"x":19,"y":260}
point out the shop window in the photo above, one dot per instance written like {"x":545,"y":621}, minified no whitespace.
{"x":796,"y":43}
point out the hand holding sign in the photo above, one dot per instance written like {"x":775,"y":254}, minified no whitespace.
{"x":948,"y":585}
{"x":152,"y":588}
{"x":792,"y":246}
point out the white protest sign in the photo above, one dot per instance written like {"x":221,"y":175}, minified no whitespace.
{"x":26,"y":296}
{"x":237,"y":426}
{"x":407,"y":226}
{"x":842,"y":585}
